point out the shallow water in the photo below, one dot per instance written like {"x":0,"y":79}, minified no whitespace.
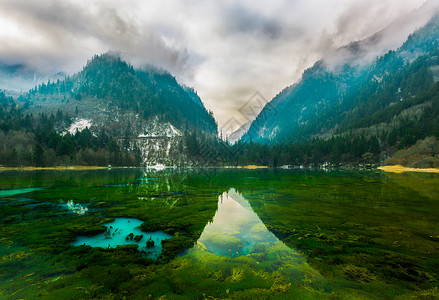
{"x":12,"y":192}
{"x":263,"y":234}
{"x":118,"y":233}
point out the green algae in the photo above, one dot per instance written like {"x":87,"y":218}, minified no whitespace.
{"x":339,"y":235}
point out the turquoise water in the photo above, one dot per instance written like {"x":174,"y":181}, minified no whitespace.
{"x":5,"y":193}
{"x":118,"y":232}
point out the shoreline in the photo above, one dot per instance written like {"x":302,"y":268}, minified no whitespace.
{"x":85,"y":168}
{"x":252,"y":167}
{"x":402,"y":169}
{"x":390,"y":169}
{"x":74,"y":168}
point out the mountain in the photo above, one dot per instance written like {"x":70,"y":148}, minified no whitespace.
{"x":133,"y":115}
{"x":354,"y":99}
{"x":108,"y":87}
{"x":238,"y":133}
{"x":193,"y":95}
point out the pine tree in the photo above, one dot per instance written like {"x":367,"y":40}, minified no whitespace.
{"x":38,"y":155}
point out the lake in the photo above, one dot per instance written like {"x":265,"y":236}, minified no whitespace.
{"x":219,"y":234}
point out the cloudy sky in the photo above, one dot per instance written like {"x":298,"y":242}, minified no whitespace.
{"x":227,"y":50}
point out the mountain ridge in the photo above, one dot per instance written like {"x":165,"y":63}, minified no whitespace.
{"x":321,"y":88}
{"x":108,"y":112}
{"x":107,"y":81}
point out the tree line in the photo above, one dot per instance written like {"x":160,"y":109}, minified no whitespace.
{"x":34,"y":141}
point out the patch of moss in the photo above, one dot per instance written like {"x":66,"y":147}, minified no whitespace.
{"x":358,"y":274}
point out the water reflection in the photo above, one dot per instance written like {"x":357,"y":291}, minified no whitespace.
{"x":237,"y":247}
{"x":236,"y":229}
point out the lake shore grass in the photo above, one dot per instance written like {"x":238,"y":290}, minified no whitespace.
{"x":402,"y":169}
{"x":252,"y":167}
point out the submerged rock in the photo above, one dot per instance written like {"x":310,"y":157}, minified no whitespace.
{"x":138,"y":238}
{"x":150,"y":243}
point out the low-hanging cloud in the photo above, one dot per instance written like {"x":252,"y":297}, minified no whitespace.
{"x":226,"y":49}
{"x":64,"y":34}
{"x":376,"y":43}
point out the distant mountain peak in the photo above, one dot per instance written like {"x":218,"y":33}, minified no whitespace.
{"x":339,"y":91}
{"x":111,"y":84}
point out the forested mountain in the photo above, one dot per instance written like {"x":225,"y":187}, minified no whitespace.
{"x":390,"y":102}
{"x":109,"y":82}
{"x":109,"y":113}
{"x":193,"y":95}
{"x":347,"y":113}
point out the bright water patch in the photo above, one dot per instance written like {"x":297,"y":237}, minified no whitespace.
{"x":126,"y":231}
{"x":237,"y":230}
{"x":5,"y":193}
{"x":76,"y":208}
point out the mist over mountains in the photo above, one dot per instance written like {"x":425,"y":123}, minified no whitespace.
{"x":19,"y":78}
{"x":225,"y":50}
{"x":109,"y":113}
{"x":351,"y":106}
{"x":330,"y":99}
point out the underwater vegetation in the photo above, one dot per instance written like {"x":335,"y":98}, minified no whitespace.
{"x":223,"y":234}
{"x":377,"y":232}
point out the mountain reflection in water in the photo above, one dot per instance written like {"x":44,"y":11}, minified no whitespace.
{"x":238,"y":240}
{"x":237,"y":230}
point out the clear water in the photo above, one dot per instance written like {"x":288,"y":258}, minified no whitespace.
{"x":231,"y":234}
{"x":236,"y":229}
{"x":118,"y":232}
{"x":12,"y":192}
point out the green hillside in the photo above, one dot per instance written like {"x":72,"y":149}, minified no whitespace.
{"x":102,"y":115}
{"x":356,"y":113}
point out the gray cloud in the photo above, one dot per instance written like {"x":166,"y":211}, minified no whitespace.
{"x":70,"y":32}
{"x":377,"y":43}
{"x":239,"y":21}
{"x":226,"y":49}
